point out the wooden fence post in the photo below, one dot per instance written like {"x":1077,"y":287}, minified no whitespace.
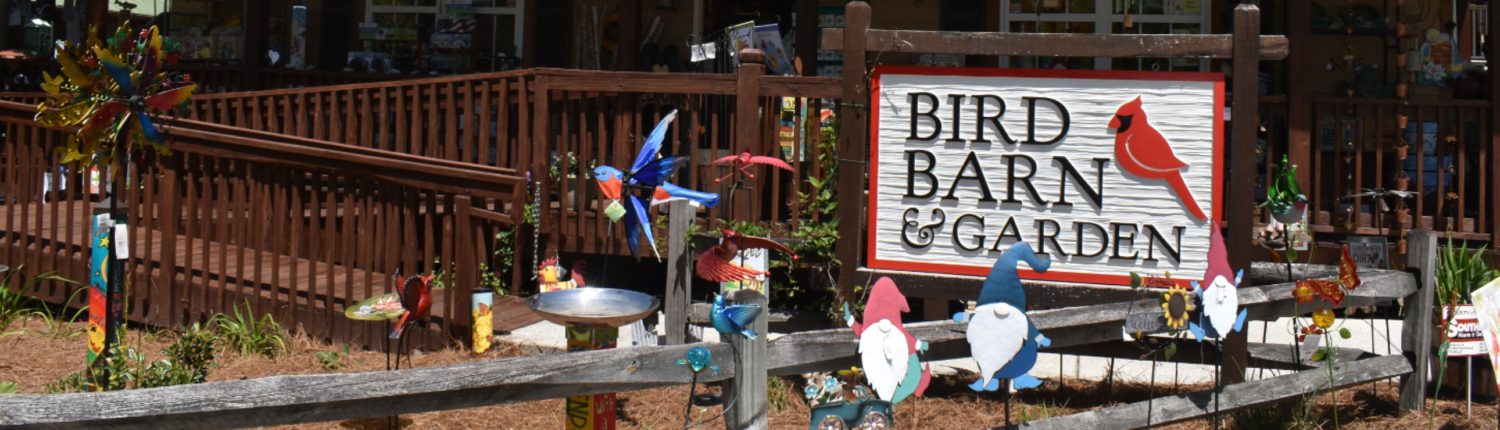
{"x":1240,"y":214}
{"x":853,"y":129}
{"x":461,"y":294}
{"x":679,"y":272}
{"x":1416,"y":328}
{"x":748,"y":388}
{"x":747,"y":118}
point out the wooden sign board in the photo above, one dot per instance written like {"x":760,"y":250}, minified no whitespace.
{"x":1106,"y":173}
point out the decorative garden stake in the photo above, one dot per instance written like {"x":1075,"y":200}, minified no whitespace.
{"x":1219,"y":300}
{"x":697,"y":360}
{"x":1284,"y":197}
{"x":1217,"y":294}
{"x":740,"y":168}
{"x":110,"y":90}
{"x":647,"y":173}
{"x":715,"y":263}
{"x":832,"y":410}
{"x":732,"y":319}
{"x":887,"y":351}
{"x":1002,"y":339}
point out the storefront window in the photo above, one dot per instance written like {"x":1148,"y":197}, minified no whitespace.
{"x":1107,"y":17}
{"x":447,"y":36}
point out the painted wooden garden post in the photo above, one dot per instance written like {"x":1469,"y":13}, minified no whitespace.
{"x":107,"y":276}
{"x":1416,"y":328}
{"x":748,"y":388}
{"x":852,"y":146}
{"x":679,"y":272}
{"x":1239,"y":206}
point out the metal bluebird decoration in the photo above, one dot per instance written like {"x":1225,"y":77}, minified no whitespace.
{"x":112,"y":87}
{"x":648,"y":173}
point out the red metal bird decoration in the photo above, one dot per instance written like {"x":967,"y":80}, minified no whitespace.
{"x":741,"y":164}
{"x":416,"y":299}
{"x":714,"y":263}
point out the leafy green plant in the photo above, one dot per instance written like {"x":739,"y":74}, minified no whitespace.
{"x":14,"y":305}
{"x":59,"y":321}
{"x":1459,"y":272}
{"x":7,"y":387}
{"x":333,"y":361}
{"x":187,"y":360}
{"x":249,"y":336}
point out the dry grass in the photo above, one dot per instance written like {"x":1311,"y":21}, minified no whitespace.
{"x":33,"y":360}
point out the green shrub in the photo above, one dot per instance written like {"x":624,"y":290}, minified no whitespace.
{"x":187,"y":360}
{"x":333,"y":361}
{"x":243,"y":333}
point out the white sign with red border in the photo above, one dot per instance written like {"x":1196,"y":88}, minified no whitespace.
{"x":1465,"y":337}
{"x":1106,"y":173}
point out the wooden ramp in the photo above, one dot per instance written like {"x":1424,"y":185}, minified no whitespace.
{"x":213,"y":277}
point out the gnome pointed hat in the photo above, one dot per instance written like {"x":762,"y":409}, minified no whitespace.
{"x":887,"y":303}
{"x":1003,"y":285}
{"x":1218,"y":259}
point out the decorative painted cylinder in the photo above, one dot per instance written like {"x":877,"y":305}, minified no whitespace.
{"x":596,"y":412}
{"x":484,"y":319}
{"x":755,"y":259}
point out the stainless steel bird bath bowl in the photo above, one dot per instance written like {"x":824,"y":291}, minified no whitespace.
{"x":593,"y":306}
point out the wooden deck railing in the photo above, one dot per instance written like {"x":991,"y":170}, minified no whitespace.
{"x":1449,"y":164}
{"x":297,"y":228}
{"x":217,"y":78}
{"x":503,"y":120}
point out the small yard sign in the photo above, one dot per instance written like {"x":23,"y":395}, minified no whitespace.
{"x":1106,"y":173}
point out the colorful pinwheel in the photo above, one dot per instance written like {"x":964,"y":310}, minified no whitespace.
{"x":113,"y":87}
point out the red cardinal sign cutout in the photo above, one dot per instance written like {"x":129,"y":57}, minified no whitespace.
{"x":1143,"y":152}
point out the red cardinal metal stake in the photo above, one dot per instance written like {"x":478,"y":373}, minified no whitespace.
{"x":416,"y":299}
{"x":1143,"y":151}
{"x":741,"y":164}
{"x":714,"y":263}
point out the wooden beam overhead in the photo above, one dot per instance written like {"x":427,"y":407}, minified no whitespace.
{"x":1061,"y":45}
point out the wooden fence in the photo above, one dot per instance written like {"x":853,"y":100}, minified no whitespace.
{"x":558,"y":124}
{"x":296,"y":228}
{"x":309,"y":398}
{"x":1449,"y":165}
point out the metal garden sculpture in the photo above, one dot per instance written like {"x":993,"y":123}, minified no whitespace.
{"x":648,"y":173}
{"x":110,"y":90}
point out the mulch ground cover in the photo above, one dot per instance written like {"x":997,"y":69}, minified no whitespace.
{"x":41,"y":355}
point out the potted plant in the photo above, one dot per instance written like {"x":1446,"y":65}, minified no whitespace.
{"x":1401,"y":149}
{"x":1403,"y":182}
